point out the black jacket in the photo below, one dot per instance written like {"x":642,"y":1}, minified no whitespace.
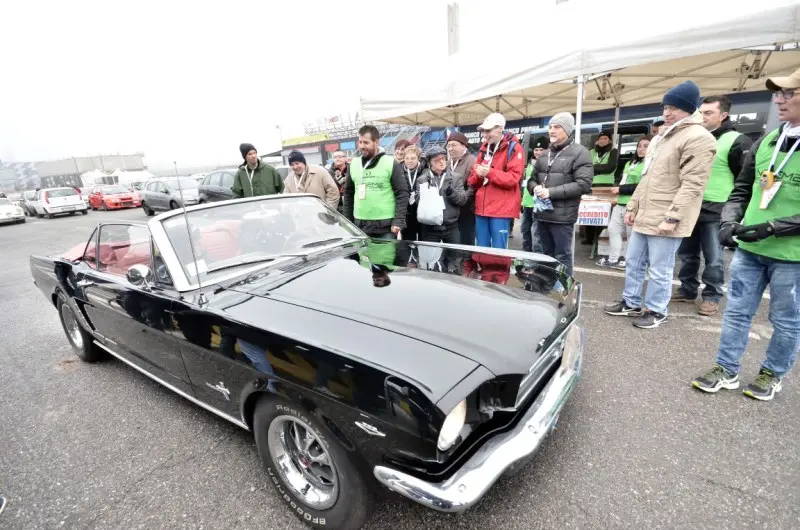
{"x":711,"y":211}
{"x":452,"y":190}
{"x":569,"y":178}
{"x":739,"y":199}
{"x":383,"y":226}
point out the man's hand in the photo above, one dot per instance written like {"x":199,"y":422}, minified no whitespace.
{"x":752,"y":233}
{"x":630,"y":217}
{"x":482,"y":171}
{"x":614,"y":191}
{"x":666,"y":228}
{"x":396,"y":229}
{"x":726,"y":233}
{"x":537,"y":189}
{"x":544,"y":193}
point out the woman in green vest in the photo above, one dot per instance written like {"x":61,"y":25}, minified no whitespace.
{"x":631,"y":176}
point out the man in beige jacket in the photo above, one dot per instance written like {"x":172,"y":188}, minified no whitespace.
{"x":665,"y":206}
{"x":311,"y":179}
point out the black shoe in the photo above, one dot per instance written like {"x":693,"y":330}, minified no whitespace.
{"x":764,"y":388}
{"x":716,"y":379}
{"x":649,"y":320}
{"x":621,"y":309}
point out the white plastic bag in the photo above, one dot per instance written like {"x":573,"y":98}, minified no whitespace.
{"x":431,"y":205}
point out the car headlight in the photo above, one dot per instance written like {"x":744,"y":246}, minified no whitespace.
{"x":573,"y":346}
{"x":452,"y":426}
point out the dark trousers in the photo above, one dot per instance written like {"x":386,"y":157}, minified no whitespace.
{"x":441,"y":234}
{"x":556,"y":241}
{"x":704,"y":239}
{"x":412,"y":230}
{"x":466,"y":225}
{"x":530,"y":239}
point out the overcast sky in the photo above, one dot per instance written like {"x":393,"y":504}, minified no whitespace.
{"x":189,"y":83}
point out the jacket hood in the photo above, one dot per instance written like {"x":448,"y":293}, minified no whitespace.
{"x":726,"y":126}
{"x":690,"y":121}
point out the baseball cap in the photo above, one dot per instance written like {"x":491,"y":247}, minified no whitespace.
{"x":789,"y":82}
{"x":493,"y":120}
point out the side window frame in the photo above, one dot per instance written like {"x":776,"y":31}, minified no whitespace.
{"x":129,"y":226}
{"x":95,"y":238}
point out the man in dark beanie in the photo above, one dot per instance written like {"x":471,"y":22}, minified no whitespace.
{"x":461,"y":162}
{"x":255,"y":177}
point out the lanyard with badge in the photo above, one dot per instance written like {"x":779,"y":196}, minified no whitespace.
{"x":769,"y":187}
{"x":250,"y":176}
{"x":552,"y":160}
{"x":362,"y":187}
{"x":298,"y":182}
{"x":487,"y":158}
{"x":412,"y":195}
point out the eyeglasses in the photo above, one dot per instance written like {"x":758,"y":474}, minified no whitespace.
{"x":784,"y":93}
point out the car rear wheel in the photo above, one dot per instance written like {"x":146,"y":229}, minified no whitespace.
{"x":308,"y":466}
{"x":147,"y":210}
{"x":173,"y":205}
{"x":85,"y":212}
{"x":50,"y":215}
{"x":79,"y":338}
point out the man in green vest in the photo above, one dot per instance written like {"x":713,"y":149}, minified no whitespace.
{"x":604,"y":157}
{"x":762,"y":215}
{"x":732,"y":147}
{"x":376,"y":191}
{"x":254,"y":177}
{"x":530,"y":240}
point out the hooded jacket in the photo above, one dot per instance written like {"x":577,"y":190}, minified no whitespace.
{"x":676,"y":176}
{"x":499,"y":196}
{"x":566,"y":170}
{"x":266,"y":181}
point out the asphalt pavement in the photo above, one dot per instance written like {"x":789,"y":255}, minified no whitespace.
{"x":101,"y":446}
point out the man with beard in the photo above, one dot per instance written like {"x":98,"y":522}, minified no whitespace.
{"x":254,"y":177}
{"x":376,"y":191}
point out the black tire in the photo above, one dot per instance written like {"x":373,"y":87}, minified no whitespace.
{"x":85,"y":212}
{"x":173,"y":205}
{"x":354,"y":501}
{"x":50,"y":216}
{"x":87,"y":351}
{"x":147,"y":210}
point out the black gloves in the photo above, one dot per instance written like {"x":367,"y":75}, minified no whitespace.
{"x":752,"y":233}
{"x":449,"y":190}
{"x":726,"y":233}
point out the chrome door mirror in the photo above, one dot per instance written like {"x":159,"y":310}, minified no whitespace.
{"x":140,"y":275}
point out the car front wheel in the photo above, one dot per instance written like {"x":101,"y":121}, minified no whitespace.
{"x":79,"y":338}
{"x":147,"y":210}
{"x":309,"y":467}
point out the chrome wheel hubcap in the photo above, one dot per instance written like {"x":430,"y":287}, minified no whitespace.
{"x":303,"y":462}
{"x":71,"y":325}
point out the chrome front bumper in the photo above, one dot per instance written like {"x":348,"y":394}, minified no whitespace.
{"x":466,"y":487}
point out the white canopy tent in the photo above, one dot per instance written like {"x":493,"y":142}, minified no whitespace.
{"x":726,"y":47}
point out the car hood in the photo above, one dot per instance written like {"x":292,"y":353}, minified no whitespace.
{"x":500,"y":309}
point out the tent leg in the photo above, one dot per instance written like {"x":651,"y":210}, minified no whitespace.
{"x":579,"y":108}
{"x":616,"y":124}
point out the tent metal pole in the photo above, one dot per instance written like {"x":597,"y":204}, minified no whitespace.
{"x":579,"y":108}
{"x":616,"y":125}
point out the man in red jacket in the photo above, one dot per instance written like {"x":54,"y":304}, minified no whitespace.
{"x":496,"y":176}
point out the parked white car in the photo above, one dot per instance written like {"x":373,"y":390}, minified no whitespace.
{"x":55,"y":201}
{"x":10,"y":212}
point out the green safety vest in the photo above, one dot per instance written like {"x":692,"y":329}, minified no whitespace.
{"x":379,"y":202}
{"x":720,"y":181}
{"x":527,"y":198}
{"x":785,"y":203}
{"x":634,"y":177}
{"x":602,"y":179}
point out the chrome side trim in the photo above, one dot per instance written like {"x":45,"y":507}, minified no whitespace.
{"x":181,"y":393}
{"x":369,"y":429}
{"x":497,"y":455}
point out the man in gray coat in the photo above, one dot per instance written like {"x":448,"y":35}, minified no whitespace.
{"x":562,"y":174}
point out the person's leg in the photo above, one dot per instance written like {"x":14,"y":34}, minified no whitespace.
{"x":427,"y":234}
{"x":537,"y":244}
{"x":562,"y":237}
{"x":713,"y":272}
{"x":784,"y":315}
{"x":451,"y":235}
{"x":498,"y":228}
{"x":689,"y":255}
{"x":546,"y":238}
{"x":615,"y":227}
{"x":466,"y":226}
{"x":511,"y":228}
{"x":636,"y":259}
{"x":412,"y":230}
{"x":483,"y":238}
{"x":526,"y":228}
{"x":661,"y":256}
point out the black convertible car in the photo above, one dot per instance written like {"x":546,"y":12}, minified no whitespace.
{"x":434,"y":369}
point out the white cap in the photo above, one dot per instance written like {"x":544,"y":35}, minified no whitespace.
{"x":493,"y":120}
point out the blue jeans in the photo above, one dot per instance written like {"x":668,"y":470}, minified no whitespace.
{"x":750,"y":274}
{"x":705,"y":239}
{"x":530,"y":236}
{"x":491,"y":231}
{"x":659,"y":252}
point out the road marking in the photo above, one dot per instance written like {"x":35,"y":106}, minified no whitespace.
{"x":613,"y":274}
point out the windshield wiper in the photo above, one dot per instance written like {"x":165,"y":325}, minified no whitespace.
{"x":321,"y":243}
{"x":250,"y":261}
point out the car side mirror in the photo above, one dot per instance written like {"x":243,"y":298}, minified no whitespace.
{"x":140,"y":275}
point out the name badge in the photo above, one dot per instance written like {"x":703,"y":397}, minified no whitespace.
{"x":412,"y":197}
{"x":362,"y":191}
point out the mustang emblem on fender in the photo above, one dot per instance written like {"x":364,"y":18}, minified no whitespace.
{"x":220,"y":387}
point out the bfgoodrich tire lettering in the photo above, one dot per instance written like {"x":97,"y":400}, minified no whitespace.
{"x":353,"y":502}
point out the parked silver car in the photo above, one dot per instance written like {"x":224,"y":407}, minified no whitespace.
{"x":162,"y":194}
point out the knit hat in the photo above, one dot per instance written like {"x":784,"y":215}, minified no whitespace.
{"x":296,"y":156}
{"x":604,"y":133}
{"x":458,"y":137}
{"x":246,"y":148}
{"x":435,"y":151}
{"x":542,"y":142}
{"x":685,"y":96}
{"x":565,"y":120}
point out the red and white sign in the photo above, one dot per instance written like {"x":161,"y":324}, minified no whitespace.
{"x":594,"y":213}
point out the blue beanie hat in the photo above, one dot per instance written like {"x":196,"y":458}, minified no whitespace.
{"x":685,"y":96}
{"x":296,"y":156}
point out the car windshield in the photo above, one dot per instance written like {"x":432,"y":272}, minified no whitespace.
{"x":245,"y":233}
{"x":61,"y":192}
{"x":4,"y":201}
{"x":186,"y":184}
{"x":111,"y":190}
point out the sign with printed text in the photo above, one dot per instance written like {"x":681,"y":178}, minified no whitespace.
{"x":594,"y":213}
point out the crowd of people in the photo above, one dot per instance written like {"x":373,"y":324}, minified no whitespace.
{"x":692,"y":187}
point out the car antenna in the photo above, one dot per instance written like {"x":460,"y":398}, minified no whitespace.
{"x":202,"y":300}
